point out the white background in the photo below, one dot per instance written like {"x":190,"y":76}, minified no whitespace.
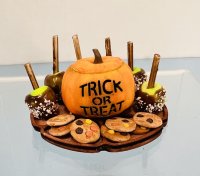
{"x":168,"y":27}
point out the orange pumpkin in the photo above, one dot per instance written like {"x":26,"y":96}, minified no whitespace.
{"x":98,"y":90}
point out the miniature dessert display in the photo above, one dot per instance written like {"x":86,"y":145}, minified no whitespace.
{"x":139,"y":74}
{"x":42,"y":100}
{"x":55,"y":80}
{"x":105,"y":106}
{"x":151,"y":96}
{"x":98,"y":86}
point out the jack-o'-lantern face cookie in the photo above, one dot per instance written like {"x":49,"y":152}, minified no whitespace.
{"x":121,"y":124}
{"x":60,"y":131}
{"x":147,"y":120}
{"x":61,"y":119}
{"x":85,"y":131}
{"x":113,"y":135}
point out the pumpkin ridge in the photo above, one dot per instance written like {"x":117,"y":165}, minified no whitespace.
{"x":76,"y":70}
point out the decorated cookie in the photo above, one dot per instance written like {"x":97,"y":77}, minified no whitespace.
{"x":140,"y":130}
{"x":85,"y":131}
{"x":147,"y":120}
{"x":121,"y":124}
{"x":61,"y":119}
{"x":113,"y":135}
{"x":60,"y":131}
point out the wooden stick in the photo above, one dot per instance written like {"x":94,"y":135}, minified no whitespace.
{"x":77,"y":46}
{"x":154,"y":70}
{"x":98,"y":58}
{"x":108,"y":47}
{"x":55,"y":55}
{"x":31,"y":75}
{"x":130,"y":54}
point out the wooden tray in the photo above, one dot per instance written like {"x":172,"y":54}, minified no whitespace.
{"x":102,"y":144}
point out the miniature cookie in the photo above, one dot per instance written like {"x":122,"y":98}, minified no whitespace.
{"x":121,"y":124}
{"x":61,"y":119}
{"x":60,"y":131}
{"x":85,"y":131}
{"x":140,"y":130}
{"x":113,"y":135}
{"x":147,"y":120}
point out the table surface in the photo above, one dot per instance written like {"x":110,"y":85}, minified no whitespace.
{"x":176,"y":152}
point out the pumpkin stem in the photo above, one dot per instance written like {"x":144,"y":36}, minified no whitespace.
{"x":98,"y":58}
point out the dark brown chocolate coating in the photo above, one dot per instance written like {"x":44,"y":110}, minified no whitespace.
{"x":140,"y":77}
{"x":147,"y":103}
{"x":43,"y":106}
{"x":55,"y":81}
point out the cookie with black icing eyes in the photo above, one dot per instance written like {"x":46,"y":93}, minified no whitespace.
{"x":114,"y":135}
{"x":147,"y":120}
{"x":85,"y":131}
{"x":121,"y":124}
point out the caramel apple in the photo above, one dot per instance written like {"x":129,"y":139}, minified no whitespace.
{"x":139,"y":74}
{"x":42,"y":100}
{"x":151,"y":97}
{"x":54,"y":80}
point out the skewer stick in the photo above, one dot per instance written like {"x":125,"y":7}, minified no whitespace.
{"x":77,"y":46}
{"x":98,"y":58}
{"x":31,"y":75}
{"x":108,"y":46}
{"x":55,"y":55}
{"x":130,"y":54}
{"x":154,"y":70}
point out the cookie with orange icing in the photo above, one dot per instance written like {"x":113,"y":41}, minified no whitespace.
{"x":120,"y":124}
{"x":85,"y":131}
{"x":114,"y":135}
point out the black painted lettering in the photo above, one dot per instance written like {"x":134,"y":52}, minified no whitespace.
{"x":85,"y":109}
{"x":117,"y":86}
{"x":94,"y":110}
{"x":106,"y":99}
{"x":112,"y":108}
{"x":102,"y":111}
{"x":120,"y":105}
{"x":104,"y":87}
{"x":82,"y":89}
{"x":92,"y":87}
{"x":99,"y":87}
{"x":97,"y":101}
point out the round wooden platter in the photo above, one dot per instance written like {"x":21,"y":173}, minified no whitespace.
{"x":103,"y":144}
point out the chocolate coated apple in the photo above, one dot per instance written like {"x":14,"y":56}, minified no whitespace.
{"x":42,"y":102}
